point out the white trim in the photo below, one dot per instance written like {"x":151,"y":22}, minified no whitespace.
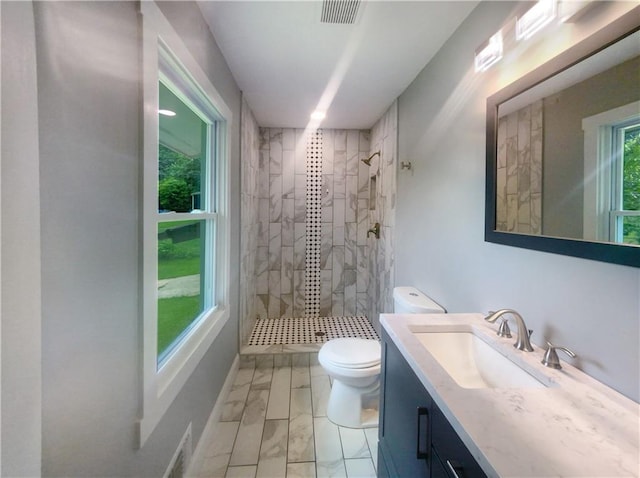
{"x":597,"y":169}
{"x":617,"y":232}
{"x":209,"y":429}
{"x":185,"y":216}
{"x":154,"y":18}
{"x":0,"y":250}
{"x":160,"y":387}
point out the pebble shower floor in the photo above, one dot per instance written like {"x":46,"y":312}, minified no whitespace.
{"x":307,"y":330}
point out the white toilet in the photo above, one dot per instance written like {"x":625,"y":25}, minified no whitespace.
{"x":354,"y":366}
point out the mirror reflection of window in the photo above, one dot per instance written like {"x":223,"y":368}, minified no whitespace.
{"x":625,"y":216}
{"x":612,"y":164}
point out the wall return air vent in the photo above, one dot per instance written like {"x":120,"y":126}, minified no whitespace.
{"x":342,"y":12}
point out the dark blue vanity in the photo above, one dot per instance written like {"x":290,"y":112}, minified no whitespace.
{"x":415,"y":439}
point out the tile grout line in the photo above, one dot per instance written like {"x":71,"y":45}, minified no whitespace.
{"x":313,"y":421}
{"x":246,"y":402}
{"x":289,"y":418}
{"x":244,"y":406}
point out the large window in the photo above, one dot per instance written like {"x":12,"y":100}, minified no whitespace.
{"x":185,"y":216}
{"x":186,"y":190}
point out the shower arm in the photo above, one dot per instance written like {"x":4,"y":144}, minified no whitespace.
{"x":367,"y":161}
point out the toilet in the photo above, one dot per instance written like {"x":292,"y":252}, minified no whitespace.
{"x":354,"y":366}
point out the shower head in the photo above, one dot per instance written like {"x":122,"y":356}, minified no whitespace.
{"x":367,"y":161}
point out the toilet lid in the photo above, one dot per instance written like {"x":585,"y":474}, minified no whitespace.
{"x":352,"y":352}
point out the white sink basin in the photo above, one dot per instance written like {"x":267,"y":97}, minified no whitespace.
{"x":472,"y":363}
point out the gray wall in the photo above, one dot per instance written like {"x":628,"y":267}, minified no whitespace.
{"x":21,"y":389}
{"x":591,"y":307}
{"x":88,"y":106}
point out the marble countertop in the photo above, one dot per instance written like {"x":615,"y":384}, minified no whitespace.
{"x":575,"y":426}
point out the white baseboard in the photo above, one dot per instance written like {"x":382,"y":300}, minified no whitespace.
{"x":214,"y":417}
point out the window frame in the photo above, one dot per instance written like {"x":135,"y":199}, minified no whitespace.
{"x":208,"y":182}
{"x":601,"y":163}
{"x":162,"y":382}
{"x":618,"y":213}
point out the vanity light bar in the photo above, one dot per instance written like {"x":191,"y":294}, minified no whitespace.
{"x":526,"y":25}
{"x":489,"y":53}
{"x":536,"y":18}
{"x":571,"y":11}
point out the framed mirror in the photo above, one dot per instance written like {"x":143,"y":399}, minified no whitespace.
{"x":563,"y":152}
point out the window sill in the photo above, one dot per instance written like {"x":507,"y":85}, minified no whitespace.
{"x":177,"y":369}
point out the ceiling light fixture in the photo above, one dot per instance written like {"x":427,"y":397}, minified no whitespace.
{"x":318,"y":115}
{"x":166,"y":112}
{"x":536,"y":18}
{"x":489,"y":53}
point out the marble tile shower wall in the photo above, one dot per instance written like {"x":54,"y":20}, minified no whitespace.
{"x":381,"y":266}
{"x":249,"y":220}
{"x":283,"y":183}
{"x":519,"y":175}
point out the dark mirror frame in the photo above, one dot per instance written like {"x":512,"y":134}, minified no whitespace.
{"x":599,"y":251}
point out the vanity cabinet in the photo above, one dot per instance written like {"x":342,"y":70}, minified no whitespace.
{"x":415,"y":438}
{"x":450,"y":450}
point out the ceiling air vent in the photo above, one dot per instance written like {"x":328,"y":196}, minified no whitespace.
{"x":340,"y":11}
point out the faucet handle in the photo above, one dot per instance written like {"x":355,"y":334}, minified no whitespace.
{"x":551,"y":359}
{"x":375,"y":230}
{"x":503,"y":330}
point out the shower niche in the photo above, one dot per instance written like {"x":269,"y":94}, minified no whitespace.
{"x":373,"y":191}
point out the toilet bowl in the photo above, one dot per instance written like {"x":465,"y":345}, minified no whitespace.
{"x":354,"y":366}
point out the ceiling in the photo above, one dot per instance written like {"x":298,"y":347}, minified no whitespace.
{"x":288,"y":63}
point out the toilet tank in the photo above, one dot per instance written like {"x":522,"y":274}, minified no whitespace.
{"x":409,"y":300}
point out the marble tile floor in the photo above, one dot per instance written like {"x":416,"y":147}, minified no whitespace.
{"x":273,"y":425}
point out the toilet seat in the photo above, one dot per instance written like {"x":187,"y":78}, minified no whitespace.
{"x":351,"y":353}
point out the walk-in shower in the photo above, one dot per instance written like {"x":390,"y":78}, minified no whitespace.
{"x":306,"y":258}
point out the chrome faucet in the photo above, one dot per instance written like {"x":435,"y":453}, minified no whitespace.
{"x":523,"y":342}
